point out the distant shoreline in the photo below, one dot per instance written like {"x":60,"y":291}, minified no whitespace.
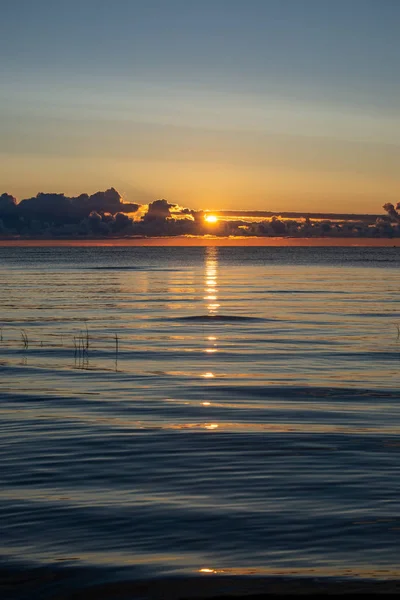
{"x":67,"y":586}
{"x":206,"y":241}
{"x":231,"y":588}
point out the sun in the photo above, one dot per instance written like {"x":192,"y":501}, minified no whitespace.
{"x":211,"y":218}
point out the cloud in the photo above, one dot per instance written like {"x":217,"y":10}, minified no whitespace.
{"x":392,"y":212}
{"x":8,"y":205}
{"x":159,"y":209}
{"x":50,"y":214}
{"x":60,"y":208}
{"x":109,"y":201}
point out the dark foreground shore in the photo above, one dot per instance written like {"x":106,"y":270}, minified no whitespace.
{"x":43,"y":584}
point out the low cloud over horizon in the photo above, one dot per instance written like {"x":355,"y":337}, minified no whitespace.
{"x":103,"y":214}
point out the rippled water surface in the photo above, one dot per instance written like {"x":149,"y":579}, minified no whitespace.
{"x":168,"y":410}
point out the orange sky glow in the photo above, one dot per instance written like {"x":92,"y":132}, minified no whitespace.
{"x":211,"y":241}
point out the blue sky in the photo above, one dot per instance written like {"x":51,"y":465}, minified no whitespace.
{"x":263,"y":104}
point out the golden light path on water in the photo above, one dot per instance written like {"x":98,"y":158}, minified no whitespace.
{"x":212,"y":306}
{"x":211,"y":297}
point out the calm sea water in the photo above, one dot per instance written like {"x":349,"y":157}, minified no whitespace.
{"x":169,"y":410}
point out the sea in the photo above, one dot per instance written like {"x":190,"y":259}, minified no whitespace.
{"x":189,"y":412}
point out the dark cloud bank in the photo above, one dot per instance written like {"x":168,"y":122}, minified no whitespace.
{"x":104,"y":214}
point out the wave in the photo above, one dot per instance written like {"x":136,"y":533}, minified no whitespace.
{"x":308,"y":292}
{"x":132,"y":268}
{"x":229,"y":318}
{"x":303,"y":392}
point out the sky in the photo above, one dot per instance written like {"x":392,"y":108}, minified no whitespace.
{"x":220,"y":104}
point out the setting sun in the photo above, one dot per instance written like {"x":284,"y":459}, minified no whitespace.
{"x":211,"y":218}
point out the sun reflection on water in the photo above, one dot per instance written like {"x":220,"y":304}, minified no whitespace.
{"x":212,"y":306}
{"x":211,"y":280}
